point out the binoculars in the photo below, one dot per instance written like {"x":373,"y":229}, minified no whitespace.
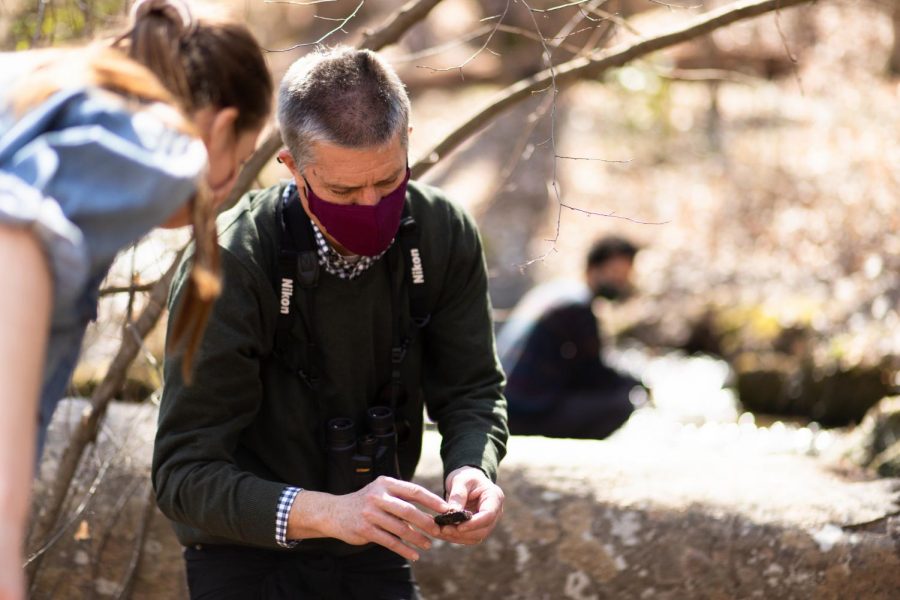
{"x":355,"y":460}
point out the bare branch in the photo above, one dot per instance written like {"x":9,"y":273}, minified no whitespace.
{"x":477,"y":52}
{"x":520,"y":147}
{"x":123,"y":289}
{"x":397,"y":24}
{"x":33,"y":560}
{"x":676,"y":6}
{"x":623,"y":23}
{"x":707,"y":75}
{"x":787,"y":49}
{"x":594,"y":65}
{"x":606,"y":160}
{"x":548,"y":56}
{"x":561,"y":6}
{"x":484,"y":30}
{"x":340,"y":27}
{"x":138,"y":549}
{"x":434,"y":50}
{"x":297,"y":3}
{"x":609,"y":215}
{"x":86,"y":431}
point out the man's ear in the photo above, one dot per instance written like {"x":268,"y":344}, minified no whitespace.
{"x":285,"y":158}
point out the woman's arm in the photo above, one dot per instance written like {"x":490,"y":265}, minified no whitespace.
{"x":24,"y":320}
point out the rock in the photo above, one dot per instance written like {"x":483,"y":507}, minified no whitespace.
{"x":641,"y":515}
{"x":673,"y":520}
{"x":875,"y":444}
{"x":773,"y":383}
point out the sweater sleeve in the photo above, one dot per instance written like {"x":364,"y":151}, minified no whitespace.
{"x":462,"y":378}
{"x":194,"y":473}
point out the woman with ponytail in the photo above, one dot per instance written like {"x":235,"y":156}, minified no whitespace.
{"x":97,"y":147}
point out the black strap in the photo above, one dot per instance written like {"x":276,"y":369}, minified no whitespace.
{"x":298,"y":266}
{"x":409,"y":237}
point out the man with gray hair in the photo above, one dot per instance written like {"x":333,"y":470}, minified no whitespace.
{"x":353,"y":299}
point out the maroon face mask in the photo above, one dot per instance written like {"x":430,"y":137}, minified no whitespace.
{"x":363,"y":230}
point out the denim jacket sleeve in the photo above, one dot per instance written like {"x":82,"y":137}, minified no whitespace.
{"x":90,"y":175}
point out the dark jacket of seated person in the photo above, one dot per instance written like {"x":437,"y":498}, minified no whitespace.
{"x":558,"y":384}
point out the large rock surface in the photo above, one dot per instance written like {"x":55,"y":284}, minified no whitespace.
{"x":646,"y":514}
{"x":673,"y":519}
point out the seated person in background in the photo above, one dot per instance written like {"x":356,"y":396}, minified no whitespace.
{"x":558,"y":385}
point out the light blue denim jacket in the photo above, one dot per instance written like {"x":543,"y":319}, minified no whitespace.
{"x":88,"y":175}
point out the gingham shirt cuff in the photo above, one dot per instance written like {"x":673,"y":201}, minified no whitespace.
{"x":285,"y":502}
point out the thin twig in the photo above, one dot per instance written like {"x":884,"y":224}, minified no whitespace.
{"x":707,"y":75}
{"x":117,"y":512}
{"x":554,"y":183}
{"x":519,"y":148}
{"x":484,"y":30}
{"x":134,"y":287}
{"x":297,"y":3}
{"x":605,"y":160}
{"x":340,"y":27}
{"x":791,"y":56}
{"x":139,"y":542}
{"x":623,"y":23}
{"x":34,"y":558}
{"x":554,"y":8}
{"x":592,"y":66}
{"x":676,"y":6}
{"x":85,"y":432}
{"x":609,"y":215}
{"x":474,"y":54}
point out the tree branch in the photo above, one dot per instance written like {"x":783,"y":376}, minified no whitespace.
{"x":592,"y":66}
{"x":85,"y":432}
{"x":325,"y":36}
{"x":397,"y":24}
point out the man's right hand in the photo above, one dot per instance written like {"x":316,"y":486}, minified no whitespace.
{"x":385,"y":512}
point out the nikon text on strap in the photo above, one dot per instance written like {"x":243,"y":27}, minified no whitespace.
{"x":298,"y":267}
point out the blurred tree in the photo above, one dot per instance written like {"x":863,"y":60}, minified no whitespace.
{"x":40,"y":23}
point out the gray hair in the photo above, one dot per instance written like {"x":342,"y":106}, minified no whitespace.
{"x":344,"y":96}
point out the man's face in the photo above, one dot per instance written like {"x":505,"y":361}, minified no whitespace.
{"x":612,"y":278}
{"x":349,"y":175}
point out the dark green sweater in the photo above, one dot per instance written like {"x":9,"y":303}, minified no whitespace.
{"x":229,"y":444}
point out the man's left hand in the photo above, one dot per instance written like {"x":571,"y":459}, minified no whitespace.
{"x":470,"y":489}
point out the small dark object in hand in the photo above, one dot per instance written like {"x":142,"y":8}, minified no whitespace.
{"x":453,"y":517}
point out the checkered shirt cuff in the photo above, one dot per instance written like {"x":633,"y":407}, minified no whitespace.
{"x":285,"y":502}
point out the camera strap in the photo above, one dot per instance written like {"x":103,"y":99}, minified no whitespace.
{"x":298,"y":267}
{"x":408,"y":239}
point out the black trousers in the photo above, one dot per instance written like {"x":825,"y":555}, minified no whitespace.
{"x":242,"y":573}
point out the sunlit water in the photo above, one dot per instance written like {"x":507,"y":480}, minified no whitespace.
{"x":693,"y":405}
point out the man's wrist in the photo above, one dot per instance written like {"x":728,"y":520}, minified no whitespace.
{"x":308,"y":517}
